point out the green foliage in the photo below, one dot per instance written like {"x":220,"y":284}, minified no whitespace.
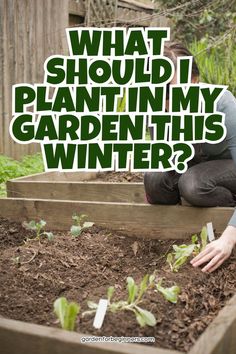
{"x":217,"y":63}
{"x":121,"y":102}
{"x":208,"y":29}
{"x":37,"y":227}
{"x":170,"y":294}
{"x":203,"y":237}
{"x":190,"y":19}
{"x":79,"y":224}
{"x":181,"y":253}
{"x":10,"y":168}
{"x":66,"y":313}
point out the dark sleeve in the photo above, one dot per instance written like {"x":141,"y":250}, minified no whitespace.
{"x":227,"y":105}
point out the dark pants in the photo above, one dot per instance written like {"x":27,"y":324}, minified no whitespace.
{"x":210,"y":183}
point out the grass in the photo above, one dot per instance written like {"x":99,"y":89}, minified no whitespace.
{"x":217,"y":64}
{"x":10,"y":168}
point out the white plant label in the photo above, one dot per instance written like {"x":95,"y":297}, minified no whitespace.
{"x":210,"y":232}
{"x":100,"y":313}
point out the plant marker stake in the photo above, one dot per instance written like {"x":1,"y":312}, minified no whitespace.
{"x":210,"y":232}
{"x":100,"y":313}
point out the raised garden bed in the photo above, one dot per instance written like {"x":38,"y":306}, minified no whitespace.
{"x":83,"y":268}
{"x":106,"y":187}
{"x":119,"y":205}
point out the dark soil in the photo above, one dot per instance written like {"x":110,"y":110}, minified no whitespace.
{"x":120,"y":177}
{"x":81,"y":269}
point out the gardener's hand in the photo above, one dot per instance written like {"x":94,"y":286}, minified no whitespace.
{"x":217,"y":251}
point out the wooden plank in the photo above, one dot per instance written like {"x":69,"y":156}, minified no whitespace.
{"x":24,"y":338}
{"x":2,"y":6}
{"x":76,"y":8}
{"x":59,"y":176}
{"x":86,"y":191}
{"x":140,"y":220}
{"x":219,"y":337}
{"x":137,"y":5}
{"x":6,"y":43}
{"x":30,"y":31}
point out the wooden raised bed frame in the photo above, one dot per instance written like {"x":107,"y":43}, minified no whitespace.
{"x":24,"y":338}
{"x":119,"y":206}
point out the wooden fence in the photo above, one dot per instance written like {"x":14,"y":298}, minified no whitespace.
{"x":32,"y":30}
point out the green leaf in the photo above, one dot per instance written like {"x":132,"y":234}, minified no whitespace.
{"x":180,"y":255}
{"x":152,"y":279}
{"x":87,"y":224}
{"x":203,"y":237}
{"x":66,"y":313}
{"x":75,"y":217}
{"x":183,"y":250}
{"x":110,"y":292}
{"x":83,"y":216}
{"x":60,"y":306}
{"x":132,"y":289}
{"x":179,"y":262}
{"x":170,"y":294}
{"x":49,"y":235}
{"x":194,"y":238}
{"x":117,"y":306}
{"x":75,"y":230}
{"x":30,"y":225}
{"x":140,"y":319}
{"x":169,"y":260}
{"x":78,"y":219}
{"x":41,"y":224}
{"x":121,"y":104}
{"x":144,"y":317}
{"x":143,"y":286}
{"x":71,"y":314}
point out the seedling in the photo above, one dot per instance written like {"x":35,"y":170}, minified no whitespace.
{"x":179,"y":257}
{"x":135,"y":296}
{"x":37,"y":227}
{"x":200,"y":245}
{"x":79,"y":224}
{"x":181,"y":253}
{"x":170,"y":294}
{"x":66,"y":313}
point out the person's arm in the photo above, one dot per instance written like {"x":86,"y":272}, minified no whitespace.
{"x":219,"y":250}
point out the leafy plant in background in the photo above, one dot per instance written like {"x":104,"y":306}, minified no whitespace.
{"x":66,"y":313}
{"x":10,"y":168}
{"x":79,"y":224}
{"x":191,"y":19}
{"x":217,"y":63}
{"x":37,"y":227}
{"x":181,"y":253}
{"x":208,"y":29}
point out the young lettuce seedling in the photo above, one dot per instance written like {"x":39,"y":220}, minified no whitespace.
{"x":37,"y":227}
{"x":135,"y":296}
{"x":66,"y":312}
{"x":79,"y":224}
{"x":170,"y":294}
{"x":181,"y":253}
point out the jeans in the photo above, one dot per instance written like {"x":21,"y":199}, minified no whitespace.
{"x":208,"y":184}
